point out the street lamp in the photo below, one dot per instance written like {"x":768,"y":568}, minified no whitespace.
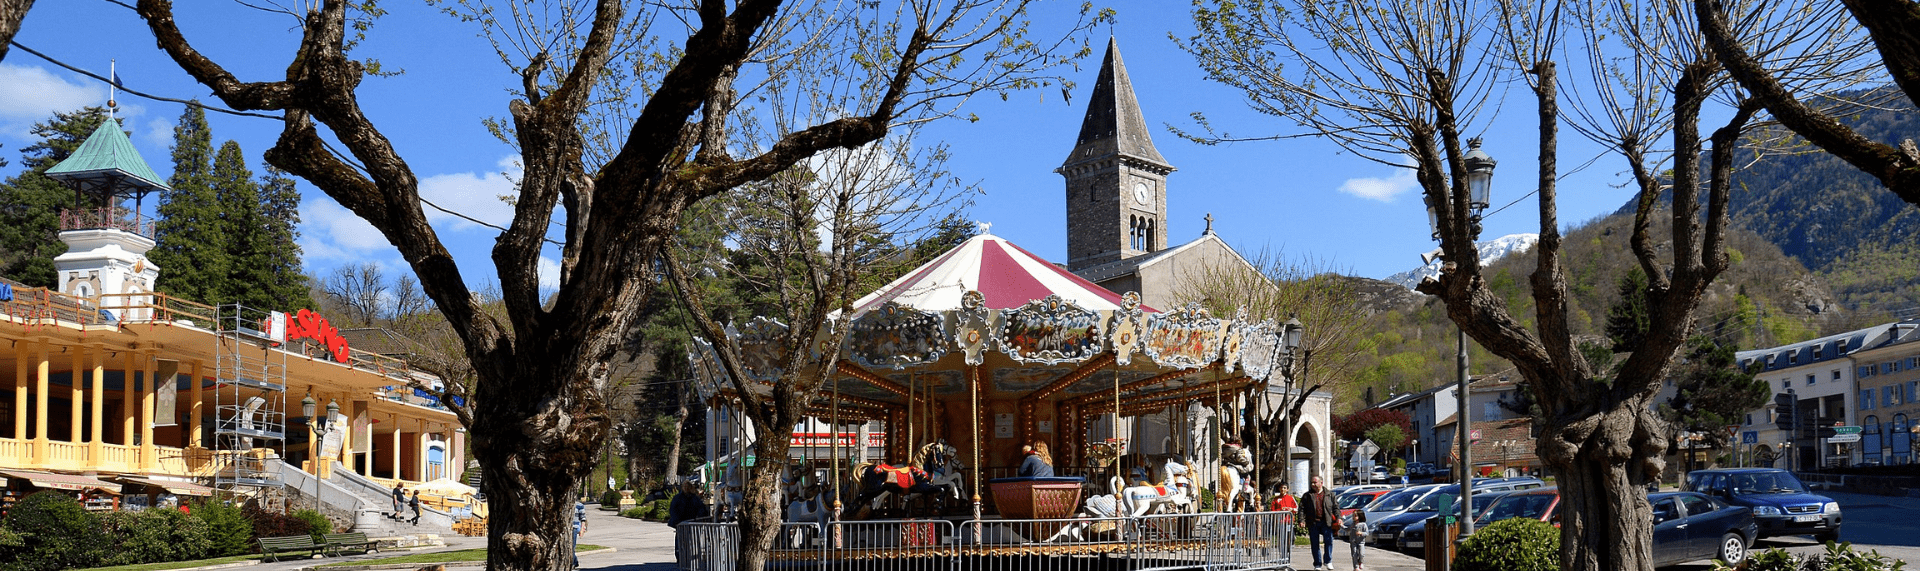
{"x":1479,"y":182}
{"x":1291,"y":333}
{"x":320,"y":427}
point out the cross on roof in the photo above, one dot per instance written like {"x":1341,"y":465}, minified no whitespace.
{"x":1209,"y":223}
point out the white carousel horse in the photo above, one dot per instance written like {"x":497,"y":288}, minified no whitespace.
{"x":1175,"y":491}
{"x":809,"y":505}
{"x":942,"y":462}
{"x":1236,"y":464}
{"x":1102,"y":506}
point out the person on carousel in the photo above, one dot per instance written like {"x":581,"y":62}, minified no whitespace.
{"x":1038,"y":464}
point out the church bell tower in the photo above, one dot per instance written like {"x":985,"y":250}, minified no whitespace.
{"x":1116,"y":180}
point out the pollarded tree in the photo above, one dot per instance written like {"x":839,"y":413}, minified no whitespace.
{"x":538,"y":417}
{"x":1403,"y":83}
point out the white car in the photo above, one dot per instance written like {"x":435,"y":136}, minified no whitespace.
{"x":1380,"y":474}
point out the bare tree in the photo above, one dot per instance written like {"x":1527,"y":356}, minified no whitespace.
{"x":1399,"y":82}
{"x":811,"y":240}
{"x":539,"y":417}
{"x":11,"y":13}
{"x":1274,"y":287}
{"x":1744,"y":43}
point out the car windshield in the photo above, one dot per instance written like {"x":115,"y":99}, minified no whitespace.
{"x":1531,"y":506}
{"x":1395,"y":501}
{"x":1432,"y":501}
{"x":1767,"y":483}
{"x":1356,"y":501}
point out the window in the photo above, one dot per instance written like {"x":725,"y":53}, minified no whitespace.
{"x":1749,"y":419}
{"x":1886,"y":368}
{"x":1894,"y":365}
{"x":1490,"y":411}
{"x":1839,"y":346}
{"x":1887,"y":398}
{"x":1818,"y":354}
{"x":1863,"y":372}
{"x":1836,"y":375}
{"x":1866,"y":399}
{"x":1810,"y":380}
{"x":1786,"y":384}
{"x":1696,"y":505}
{"x":1793,"y":358}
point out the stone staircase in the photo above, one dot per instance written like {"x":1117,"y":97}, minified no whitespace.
{"x":363,"y":505}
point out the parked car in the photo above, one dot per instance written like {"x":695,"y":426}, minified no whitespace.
{"x":1357,"y":488}
{"x":1689,"y":526}
{"x":1353,"y":502}
{"x":1541,"y":504}
{"x":1379,"y":474}
{"x":1781,"y":504}
{"x":1396,"y":503}
{"x":1392,"y":531}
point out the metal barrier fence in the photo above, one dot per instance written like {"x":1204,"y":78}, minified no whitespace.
{"x":1206,"y":542}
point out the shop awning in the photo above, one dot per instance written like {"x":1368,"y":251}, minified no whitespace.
{"x":175,"y":487}
{"x":62,"y":481}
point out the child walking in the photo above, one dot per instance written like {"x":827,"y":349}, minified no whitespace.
{"x":1358,"y":536}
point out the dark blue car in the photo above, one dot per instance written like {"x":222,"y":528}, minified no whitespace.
{"x":1781,"y":504}
{"x":1689,"y":526}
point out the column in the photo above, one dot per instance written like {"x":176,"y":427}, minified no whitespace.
{"x":194,"y":434}
{"x":96,"y":445}
{"x":78,"y":397}
{"x":126,"y":399}
{"x":40,"y":403}
{"x":456,"y":453}
{"x":147,"y":396}
{"x":396,"y":447}
{"x":420,"y":454}
{"x":20,"y":395}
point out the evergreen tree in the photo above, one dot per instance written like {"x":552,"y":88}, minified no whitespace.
{"x":1711,"y":392}
{"x":1627,"y":320}
{"x":30,"y":203}
{"x":237,"y":199}
{"x":278,"y":260}
{"x":191,"y":244}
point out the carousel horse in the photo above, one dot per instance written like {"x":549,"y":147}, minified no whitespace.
{"x":910,"y":481}
{"x":1236,"y":465}
{"x":1082,"y":529}
{"x":942,"y":462}
{"x":809,"y":505}
{"x":1175,"y":491}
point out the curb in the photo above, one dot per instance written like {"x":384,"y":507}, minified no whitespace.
{"x":221,"y":566}
{"x":382,"y":566}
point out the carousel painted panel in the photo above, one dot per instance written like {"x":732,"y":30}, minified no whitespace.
{"x":1260,"y":350}
{"x":1124,"y":328}
{"x":973,"y":327}
{"x":1050,"y":331}
{"x":897,"y":336}
{"x":763,"y":345}
{"x":1187,"y":338}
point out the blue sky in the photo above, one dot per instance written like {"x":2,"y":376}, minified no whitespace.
{"x":1301,"y":196}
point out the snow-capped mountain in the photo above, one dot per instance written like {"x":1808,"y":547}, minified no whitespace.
{"x":1489,"y":251}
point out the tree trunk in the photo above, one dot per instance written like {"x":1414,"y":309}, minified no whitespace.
{"x":534,"y":452}
{"x":11,"y":13}
{"x":1606,"y":522}
{"x":759,"y":502}
{"x":679,"y":424}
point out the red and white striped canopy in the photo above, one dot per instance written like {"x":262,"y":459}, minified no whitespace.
{"x":1006,"y":275}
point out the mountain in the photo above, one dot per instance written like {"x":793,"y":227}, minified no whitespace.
{"x":1490,"y":252}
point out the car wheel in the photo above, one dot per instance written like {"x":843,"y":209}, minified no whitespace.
{"x":1733,"y":549}
{"x":1828,"y":536}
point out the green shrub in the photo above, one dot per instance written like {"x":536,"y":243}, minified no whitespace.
{"x":636,"y":513}
{"x":610,"y":498}
{"x":228,"y":530}
{"x":655,"y":510}
{"x":152,"y":536}
{"x":1775,"y":559}
{"x":1518,"y":544}
{"x":317,"y":524}
{"x":54,"y":532}
{"x":1842,"y":557}
{"x":1399,"y":465}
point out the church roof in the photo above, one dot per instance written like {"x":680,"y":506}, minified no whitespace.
{"x":1114,"y":124}
{"x":1130,"y":266}
{"x":107,"y":164}
{"x":1006,"y":275}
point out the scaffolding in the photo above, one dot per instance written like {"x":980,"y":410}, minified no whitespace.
{"x":250,"y":400}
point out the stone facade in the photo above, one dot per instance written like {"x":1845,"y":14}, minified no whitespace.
{"x":1116,"y":179}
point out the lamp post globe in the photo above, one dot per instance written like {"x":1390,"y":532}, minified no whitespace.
{"x":306,"y":406}
{"x":1479,"y":175}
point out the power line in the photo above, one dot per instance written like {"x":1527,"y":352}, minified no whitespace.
{"x":153,"y":97}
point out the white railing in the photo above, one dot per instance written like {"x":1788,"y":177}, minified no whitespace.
{"x":1201,"y":542}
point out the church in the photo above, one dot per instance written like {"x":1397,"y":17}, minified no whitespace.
{"x":1117,"y":192}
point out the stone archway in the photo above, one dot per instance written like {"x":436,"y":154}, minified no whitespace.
{"x":1309,"y":435}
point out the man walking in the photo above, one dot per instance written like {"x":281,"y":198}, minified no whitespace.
{"x":399,"y":499}
{"x":1319,"y":513}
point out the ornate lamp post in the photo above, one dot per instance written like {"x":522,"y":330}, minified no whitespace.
{"x":320,"y":425}
{"x":1479,"y":179}
{"x":1291,"y":334}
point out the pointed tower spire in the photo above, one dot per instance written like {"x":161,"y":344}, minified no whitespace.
{"x":1113,"y":123}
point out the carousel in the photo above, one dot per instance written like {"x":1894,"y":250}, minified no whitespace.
{"x":1011,"y":390}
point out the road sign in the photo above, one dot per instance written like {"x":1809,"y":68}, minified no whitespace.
{"x":1473,"y":435}
{"x":1846,"y":430}
{"x":1750,"y":437}
{"x":1843,"y":438}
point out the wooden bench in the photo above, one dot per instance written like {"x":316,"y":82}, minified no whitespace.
{"x":342,"y":543}
{"x":272,"y":547}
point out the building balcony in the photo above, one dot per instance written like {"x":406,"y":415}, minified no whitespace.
{"x":107,"y":218}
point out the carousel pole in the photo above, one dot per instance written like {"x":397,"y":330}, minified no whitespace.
{"x":911,"y":385}
{"x":1219,"y":438}
{"x":973,"y":376}
{"x":833,"y":446}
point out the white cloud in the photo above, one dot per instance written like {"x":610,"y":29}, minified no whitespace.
{"x":159,"y":133}
{"x":33,"y":93}
{"x":329,"y":231}
{"x":549,"y":271}
{"x":1381,"y":189}
{"x":474,"y":195}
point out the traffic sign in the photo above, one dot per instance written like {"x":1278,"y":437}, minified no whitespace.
{"x":1750,"y":437}
{"x":1473,"y":435}
{"x":1843,"y":438}
{"x":1846,"y":430}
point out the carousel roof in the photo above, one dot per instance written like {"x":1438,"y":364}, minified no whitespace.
{"x":1006,"y":275}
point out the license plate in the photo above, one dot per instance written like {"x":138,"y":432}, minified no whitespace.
{"x":1806,"y":518}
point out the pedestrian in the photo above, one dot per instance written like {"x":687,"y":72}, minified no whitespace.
{"x":1358,"y":537}
{"x":399,"y":499}
{"x":415,"y":504}
{"x":1283,"y":500}
{"x":686,"y":505}
{"x":1318,"y":511}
